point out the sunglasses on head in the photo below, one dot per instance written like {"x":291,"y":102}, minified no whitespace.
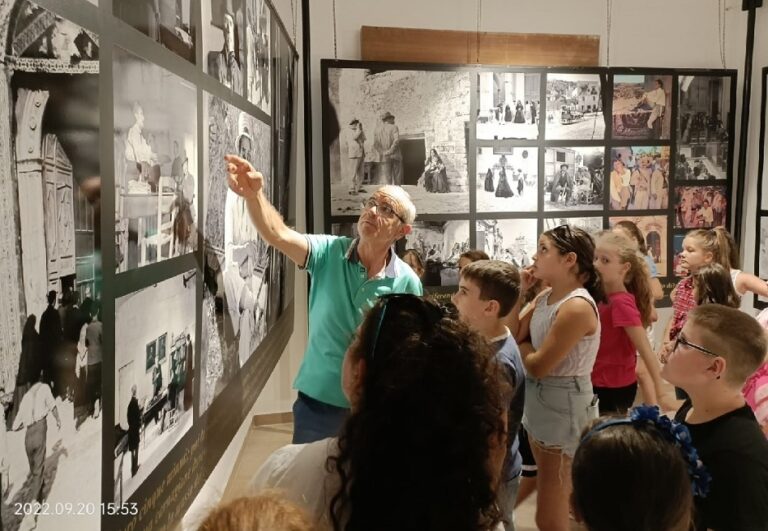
{"x":430,"y":312}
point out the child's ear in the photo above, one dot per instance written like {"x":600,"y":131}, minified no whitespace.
{"x":493,"y":307}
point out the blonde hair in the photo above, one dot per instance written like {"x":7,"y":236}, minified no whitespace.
{"x":267,"y":511}
{"x":637,"y":279}
{"x":734,"y":335}
{"x":720,"y":243}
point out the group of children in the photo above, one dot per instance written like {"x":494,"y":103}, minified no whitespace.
{"x":444,"y":408}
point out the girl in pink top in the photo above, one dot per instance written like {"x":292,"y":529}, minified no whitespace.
{"x":623,"y":318}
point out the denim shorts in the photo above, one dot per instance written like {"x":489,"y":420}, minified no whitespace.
{"x":557,"y":409}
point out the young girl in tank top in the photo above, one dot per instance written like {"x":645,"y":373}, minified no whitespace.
{"x":624,"y":315}
{"x":565,"y":334}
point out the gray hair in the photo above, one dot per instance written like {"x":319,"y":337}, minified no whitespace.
{"x":409,"y":209}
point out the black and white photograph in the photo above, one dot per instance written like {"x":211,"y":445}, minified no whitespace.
{"x":590,"y":225}
{"x":156,"y":171}
{"x":574,"y":178}
{"x":439,"y":243}
{"x":639,"y":178}
{"x":402,"y":127}
{"x":154,"y":377}
{"x":509,"y":105}
{"x":51,"y":343}
{"x":258,"y":85}
{"x":236,"y":260}
{"x":642,"y":107}
{"x":507,"y":179}
{"x":698,"y":207}
{"x":703,"y":117}
{"x":224,"y":39}
{"x":168,"y":22}
{"x":574,"y":107}
{"x":763,"y":249}
{"x":654,"y":230}
{"x":511,"y":240}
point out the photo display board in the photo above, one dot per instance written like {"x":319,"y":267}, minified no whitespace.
{"x":761,"y":254}
{"x":144,"y":314}
{"x":494,"y":156}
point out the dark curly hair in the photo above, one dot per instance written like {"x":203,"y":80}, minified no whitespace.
{"x":415,"y":452}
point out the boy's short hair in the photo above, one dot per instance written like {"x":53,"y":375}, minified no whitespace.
{"x":497,"y":280}
{"x":474,"y":255}
{"x":733,"y":334}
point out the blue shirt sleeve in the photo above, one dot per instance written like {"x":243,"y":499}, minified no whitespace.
{"x":652,"y":266}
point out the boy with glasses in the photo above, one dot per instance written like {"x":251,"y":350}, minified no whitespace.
{"x":716,"y":351}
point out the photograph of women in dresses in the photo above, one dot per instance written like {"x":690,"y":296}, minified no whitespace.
{"x":573,"y":178}
{"x":507,"y":179}
{"x":574,"y":107}
{"x":700,"y":206}
{"x":702,"y":134}
{"x":640,"y":178}
{"x":509,"y":105}
{"x":642,"y":107}
{"x":434,"y":179}
{"x":590,"y":225}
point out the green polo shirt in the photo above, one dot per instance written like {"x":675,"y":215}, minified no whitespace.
{"x":340,"y":295}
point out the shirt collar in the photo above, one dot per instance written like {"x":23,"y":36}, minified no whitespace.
{"x":391,"y":270}
{"x":502,"y":337}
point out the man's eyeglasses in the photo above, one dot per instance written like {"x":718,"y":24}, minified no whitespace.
{"x":682,"y":341}
{"x":382,"y":209}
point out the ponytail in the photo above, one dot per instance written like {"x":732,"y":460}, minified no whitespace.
{"x":579,"y":242}
{"x":720,"y":243}
{"x":638,"y":278}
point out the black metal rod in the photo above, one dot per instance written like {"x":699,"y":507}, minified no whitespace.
{"x":741,"y":178}
{"x":307,"y":87}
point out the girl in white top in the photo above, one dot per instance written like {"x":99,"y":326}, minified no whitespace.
{"x":564,"y":339}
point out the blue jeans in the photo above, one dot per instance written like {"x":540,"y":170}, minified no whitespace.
{"x":314,"y":420}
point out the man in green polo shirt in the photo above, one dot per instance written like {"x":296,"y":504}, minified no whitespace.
{"x":347,"y":277}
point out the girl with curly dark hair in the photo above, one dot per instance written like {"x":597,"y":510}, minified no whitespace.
{"x":424,"y":443}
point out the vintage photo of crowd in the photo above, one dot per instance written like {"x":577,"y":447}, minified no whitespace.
{"x":705,"y":108}
{"x":417,"y":142}
{"x":642,"y":107}
{"x":154,"y":377}
{"x":574,"y":107}
{"x":700,"y":206}
{"x":51,"y":347}
{"x":591,"y":225}
{"x":573,"y":178}
{"x":509,"y":105}
{"x":168,"y":22}
{"x":439,"y":245}
{"x":639,"y":178}
{"x":237,"y":261}
{"x":511,"y":240}
{"x":155,"y":163}
{"x":507,"y":179}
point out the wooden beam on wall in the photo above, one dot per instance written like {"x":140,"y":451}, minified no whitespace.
{"x":461,"y":47}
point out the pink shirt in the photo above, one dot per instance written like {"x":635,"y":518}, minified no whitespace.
{"x":684,"y":303}
{"x":616,"y":358}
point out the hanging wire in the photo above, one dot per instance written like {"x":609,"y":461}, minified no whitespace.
{"x":335,"y":45}
{"x":721,"y":29}
{"x":478,"y":18}
{"x":609,"y":16}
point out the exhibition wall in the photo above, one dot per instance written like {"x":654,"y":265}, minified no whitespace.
{"x":144,"y":314}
